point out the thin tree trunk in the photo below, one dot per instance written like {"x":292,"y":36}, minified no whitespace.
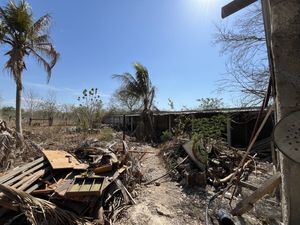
{"x":285,"y":46}
{"x":18,"y":109}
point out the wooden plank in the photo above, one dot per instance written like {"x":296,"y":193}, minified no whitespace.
{"x":39,"y":166}
{"x":103,"y":169}
{"x":34,"y":177}
{"x":235,"y":6}
{"x":137,"y":151}
{"x":39,"y":184}
{"x":20,"y":182}
{"x":63,"y":160}
{"x":43,"y":191}
{"x":25,"y":179}
{"x":246,"y":204}
{"x":247,"y":185}
{"x":21,"y":169}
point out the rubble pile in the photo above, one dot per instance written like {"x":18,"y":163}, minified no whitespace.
{"x":222,"y":161}
{"x":91,"y":186}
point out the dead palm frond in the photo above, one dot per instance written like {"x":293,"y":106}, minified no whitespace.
{"x":7,"y":143}
{"x":37,"y":211}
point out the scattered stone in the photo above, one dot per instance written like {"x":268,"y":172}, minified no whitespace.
{"x":161,"y":210}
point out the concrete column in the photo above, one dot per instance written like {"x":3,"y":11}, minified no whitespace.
{"x":285,"y":50}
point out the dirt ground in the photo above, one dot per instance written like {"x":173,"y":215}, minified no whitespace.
{"x":164,"y":202}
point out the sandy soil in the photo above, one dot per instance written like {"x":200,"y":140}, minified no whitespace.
{"x":165,"y":203}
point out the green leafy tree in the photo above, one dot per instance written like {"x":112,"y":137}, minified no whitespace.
{"x":23,"y":37}
{"x":90,"y":105}
{"x":139,"y":86}
{"x":210,"y":103}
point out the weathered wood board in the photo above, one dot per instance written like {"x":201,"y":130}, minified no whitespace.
{"x":63,"y":160}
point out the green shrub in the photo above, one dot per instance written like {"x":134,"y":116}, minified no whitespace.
{"x":207,"y":132}
{"x":183,"y":125}
{"x":210,"y":128}
{"x":166,"y":136}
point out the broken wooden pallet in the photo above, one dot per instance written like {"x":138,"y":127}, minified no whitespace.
{"x":24,"y":178}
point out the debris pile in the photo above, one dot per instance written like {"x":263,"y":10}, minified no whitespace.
{"x":215,"y":168}
{"x":91,"y":186}
{"x":13,"y":150}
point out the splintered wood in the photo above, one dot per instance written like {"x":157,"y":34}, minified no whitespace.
{"x":63,"y":160}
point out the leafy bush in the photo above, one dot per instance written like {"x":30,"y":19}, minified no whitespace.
{"x":210,"y":128}
{"x":90,"y":106}
{"x":210,"y":103}
{"x":166,"y":136}
{"x":207,"y":132}
{"x":183,"y":125}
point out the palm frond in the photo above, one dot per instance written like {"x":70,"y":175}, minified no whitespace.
{"x":42,"y":25}
{"x":47,"y":50}
{"x":138,"y":86}
{"x":38,"y":211}
{"x":18,"y":17}
{"x":43,"y":62}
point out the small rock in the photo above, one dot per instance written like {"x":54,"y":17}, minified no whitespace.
{"x":161,"y":210}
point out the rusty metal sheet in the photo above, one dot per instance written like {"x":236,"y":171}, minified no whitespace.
{"x":63,"y":160}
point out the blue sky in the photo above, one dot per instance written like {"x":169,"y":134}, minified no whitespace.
{"x":98,"y":38}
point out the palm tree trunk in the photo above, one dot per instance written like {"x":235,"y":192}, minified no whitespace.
{"x":285,"y":46}
{"x":18,"y":109}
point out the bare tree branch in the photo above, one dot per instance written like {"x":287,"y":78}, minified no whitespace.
{"x":247,"y":71}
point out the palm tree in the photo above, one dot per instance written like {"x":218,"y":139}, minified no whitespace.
{"x":141,"y":88}
{"x":25,"y":37}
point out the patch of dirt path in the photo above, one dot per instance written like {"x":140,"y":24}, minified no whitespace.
{"x":163,"y":204}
